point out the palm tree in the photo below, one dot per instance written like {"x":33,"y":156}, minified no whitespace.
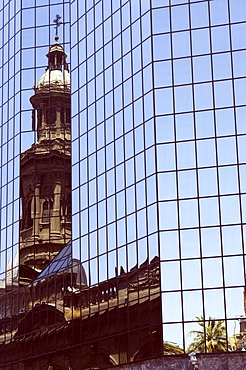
{"x":211,"y":337}
{"x":171,"y":348}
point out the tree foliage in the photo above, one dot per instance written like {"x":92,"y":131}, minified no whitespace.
{"x":171,"y":348}
{"x":211,"y":337}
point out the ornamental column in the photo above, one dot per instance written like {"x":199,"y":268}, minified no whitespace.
{"x":55,"y":222}
{"x":37,"y":208}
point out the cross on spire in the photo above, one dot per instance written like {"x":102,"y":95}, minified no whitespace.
{"x":57,"y":22}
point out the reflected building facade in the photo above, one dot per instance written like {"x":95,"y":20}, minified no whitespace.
{"x":158,"y":173}
{"x":51,"y":317}
{"x":46,"y":171}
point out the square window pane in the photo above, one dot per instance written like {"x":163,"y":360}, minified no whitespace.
{"x":163,"y":101}
{"x":214,"y":303}
{"x":187,"y":183}
{"x":211,"y":241}
{"x":202,"y":68}
{"x":181,"y":44}
{"x":182,"y":71}
{"x":184,"y":126}
{"x":162,"y":74}
{"x":161,"y":47}
{"x":180,"y":18}
{"x":232,"y":240}
{"x":234,"y":264}
{"x":190,"y":243}
{"x":209,"y":212}
{"x":206,"y":153}
{"x":234,"y":295}
{"x":226,"y":150}
{"x":192,"y":305}
{"x":186,"y":155}
{"x":168,"y":300}
{"x":160,"y":20}
{"x":188,"y":213}
{"x":169,"y":245}
{"x":191,"y":274}
{"x":167,"y":186}
{"x":239,"y":63}
{"x":222,"y":66}
{"x":223,"y":94}
{"x":230,"y":212}
{"x":203,"y":96}
{"x":170,"y":276}
{"x":204,"y":124}
{"x":168,"y":215}
{"x":218,"y":13}
{"x":199,"y":15}
{"x":212,"y":280}
{"x":183,"y":98}
{"x":173,"y":333}
{"x":165,"y":157}
{"x":220,"y":39}
{"x":228,"y":180}
{"x":207,"y":180}
{"x":240,"y":86}
{"x":225,"y":122}
{"x":237,"y":41}
{"x":164,"y":129}
{"x":200,"y":41}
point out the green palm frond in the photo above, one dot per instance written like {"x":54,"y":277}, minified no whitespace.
{"x":171,"y":348}
{"x":211,"y":339}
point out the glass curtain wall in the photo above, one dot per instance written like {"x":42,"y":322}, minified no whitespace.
{"x":158,"y":102}
{"x":158,"y":180}
{"x":26,"y":33}
{"x":199,"y":92}
{"x":113,"y":147}
{"x":114,"y":179}
{"x":10,"y":139}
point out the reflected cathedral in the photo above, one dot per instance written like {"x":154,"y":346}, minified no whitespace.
{"x":50,"y":318}
{"x":46,"y":171}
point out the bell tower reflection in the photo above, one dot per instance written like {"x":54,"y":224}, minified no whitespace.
{"x":45,"y":226}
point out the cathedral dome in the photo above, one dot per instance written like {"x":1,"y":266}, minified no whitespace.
{"x":55,"y":78}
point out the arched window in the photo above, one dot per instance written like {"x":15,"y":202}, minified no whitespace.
{"x":65,"y":116}
{"x":68,"y":115}
{"x":39,"y":118}
{"x":47,"y":210}
{"x":62,"y":118}
{"x":28,"y":211}
{"x":66,"y":210}
{"x":50,"y":116}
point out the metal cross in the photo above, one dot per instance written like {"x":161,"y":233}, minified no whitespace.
{"x":57,"y":22}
